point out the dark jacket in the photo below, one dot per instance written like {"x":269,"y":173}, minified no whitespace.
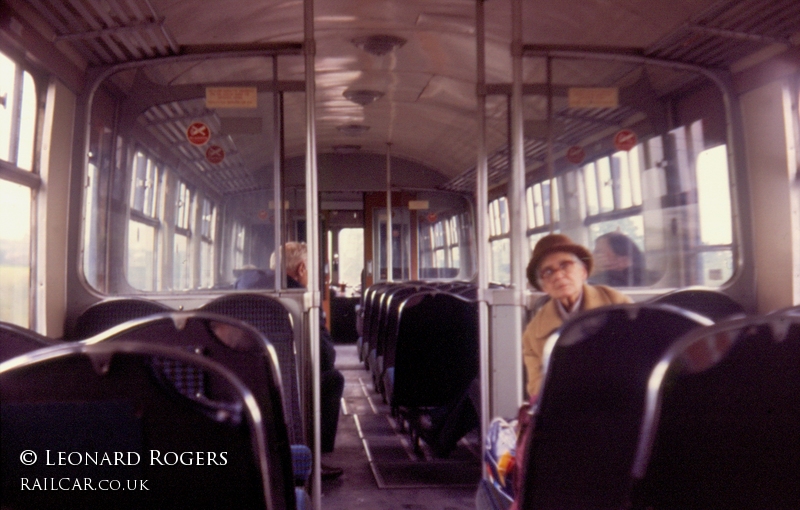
{"x":327,"y":353}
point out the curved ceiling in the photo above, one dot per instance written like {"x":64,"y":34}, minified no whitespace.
{"x":427,"y":84}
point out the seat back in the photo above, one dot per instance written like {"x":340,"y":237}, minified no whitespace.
{"x":108,"y":313}
{"x":231,"y":343}
{"x":722,"y":428}
{"x":387,"y":321}
{"x":68,"y":409}
{"x":16,"y":340}
{"x":436,"y":350}
{"x":588,"y":416}
{"x":267,"y":315}
{"x":709,"y":302}
{"x":371,"y":311}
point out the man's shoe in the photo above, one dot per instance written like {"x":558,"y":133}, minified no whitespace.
{"x":330,"y":472}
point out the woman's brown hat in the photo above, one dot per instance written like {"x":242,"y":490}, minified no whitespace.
{"x":554,"y":243}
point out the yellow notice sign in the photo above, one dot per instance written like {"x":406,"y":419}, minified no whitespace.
{"x":231,"y":97}
{"x":593,"y":97}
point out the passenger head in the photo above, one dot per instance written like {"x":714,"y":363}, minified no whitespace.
{"x":559,"y":267}
{"x":295,"y":259}
{"x":616,"y":251}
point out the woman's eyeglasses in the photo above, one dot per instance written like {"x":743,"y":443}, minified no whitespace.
{"x":548,"y":272}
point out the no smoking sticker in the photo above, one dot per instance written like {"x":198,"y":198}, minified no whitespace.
{"x":198,"y":133}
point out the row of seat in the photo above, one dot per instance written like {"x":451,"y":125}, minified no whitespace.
{"x":420,"y":343}
{"x":653,"y":406}
{"x":217,"y":341}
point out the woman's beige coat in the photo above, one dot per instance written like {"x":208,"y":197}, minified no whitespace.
{"x":548,"y":320}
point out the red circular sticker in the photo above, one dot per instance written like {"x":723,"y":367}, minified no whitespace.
{"x":431,"y":217}
{"x":263,"y":214}
{"x":576,"y":154}
{"x":198,"y":133}
{"x":215,"y":154}
{"x":625,"y":140}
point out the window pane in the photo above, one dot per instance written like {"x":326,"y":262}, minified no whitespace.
{"x":605,"y":185}
{"x":141,"y":256}
{"x":623,"y":177}
{"x":91,"y":264}
{"x":15,"y":253}
{"x":635,"y":160}
{"x":538,"y":204}
{"x":8,"y":89}
{"x":181,"y":276}
{"x":529,"y":207}
{"x":714,"y":197}
{"x":504,"y":223}
{"x":27,"y":126}
{"x":716,"y":267}
{"x":207,"y":265}
{"x":438,"y":258}
{"x":351,"y":257}
{"x":501,"y":261}
{"x":455,"y":257}
{"x":590,"y":181}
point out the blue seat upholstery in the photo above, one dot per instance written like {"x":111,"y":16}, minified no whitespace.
{"x":271,"y":318}
{"x":108,"y":397}
{"x":588,"y":416}
{"x":235,"y":345}
{"x":723,"y":419}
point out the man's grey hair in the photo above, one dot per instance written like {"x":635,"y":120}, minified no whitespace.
{"x":294,"y":253}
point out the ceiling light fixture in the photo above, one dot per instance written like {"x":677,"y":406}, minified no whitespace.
{"x":352,"y":129}
{"x":378,"y":44}
{"x":346,"y":149}
{"x":362,"y":96}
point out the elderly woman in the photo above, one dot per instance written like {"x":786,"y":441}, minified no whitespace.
{"x":559,"y":268}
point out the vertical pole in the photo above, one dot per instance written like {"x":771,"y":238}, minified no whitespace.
{"x":277,"y":177}
{"x":551,"y":165}
{"x":312,"y":296}
{"x":517,"y":193}
{"x":481,"y":227}
{"x":389,"y":254}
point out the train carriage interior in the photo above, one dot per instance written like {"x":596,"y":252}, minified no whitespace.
{"x":367,"y":181}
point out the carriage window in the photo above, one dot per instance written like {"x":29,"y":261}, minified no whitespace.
{"x":351,"y":258}
{"x":454,"y":249}
{"x":715,"y":259}
{"x":17,"y":137}
{"x":207,"y":230}
{"x":613,"y":183}
{"x":238,"y":244}
{"x":144,"y":224}
{"x":499,"y":228}
{"x":541,"y":203}
{"x":144,"y":192}
{"x":182,"y":274}
{"x":17,"y":114}
{"x":183,"y":207}
{"x":141,"y":256}
{"x":15,"y":253}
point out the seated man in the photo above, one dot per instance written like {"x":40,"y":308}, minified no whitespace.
{"x":331,"y":380}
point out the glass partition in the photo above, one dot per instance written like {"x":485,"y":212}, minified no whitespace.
{"x":180,"y":186}
{"x":638,"y":168}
